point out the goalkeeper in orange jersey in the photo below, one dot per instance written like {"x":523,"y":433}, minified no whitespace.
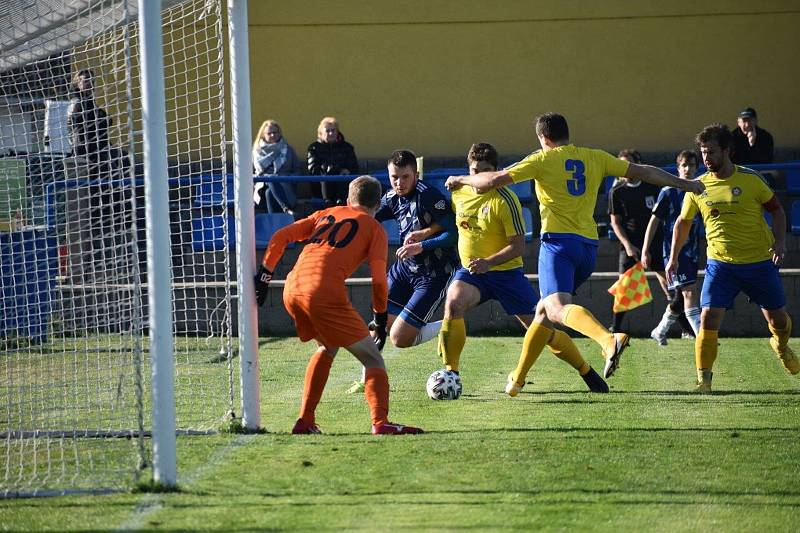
{"x":336,"y":241}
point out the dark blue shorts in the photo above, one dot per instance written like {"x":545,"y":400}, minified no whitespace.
{"x":685,"y":275}
{"x":761,"y":282}
{"x":414,"y":297}
{"x":509,"y":287}
{"x":564,"y":264}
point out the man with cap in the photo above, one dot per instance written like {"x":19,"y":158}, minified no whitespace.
{"x":751,"y":144}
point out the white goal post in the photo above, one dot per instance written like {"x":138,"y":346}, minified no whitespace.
{"x":126,"y":235}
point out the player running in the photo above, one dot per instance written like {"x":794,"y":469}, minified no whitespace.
{"x":567,"y":180}
{"x":336,"y":241}
{"x":743,"y":253}
{"x":683,"y":287}
{"x":427,"y":260}
{"x":491,"y":239}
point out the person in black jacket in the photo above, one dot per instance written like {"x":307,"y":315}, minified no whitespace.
{"x":88,"y":124}
{"x":331,"y":155}
{"x":751,"y":144}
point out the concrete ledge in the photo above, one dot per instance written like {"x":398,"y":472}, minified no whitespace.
{"x":744,"y":320}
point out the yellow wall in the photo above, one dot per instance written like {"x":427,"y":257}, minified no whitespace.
{"x":435,"y":76}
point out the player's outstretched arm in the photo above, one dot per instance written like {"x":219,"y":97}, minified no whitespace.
{"x":482,"y":182}
{"x":656,"y":176}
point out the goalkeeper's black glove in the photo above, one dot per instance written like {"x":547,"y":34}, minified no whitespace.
{"x":380,"y":319}
{"x":261,"y":282}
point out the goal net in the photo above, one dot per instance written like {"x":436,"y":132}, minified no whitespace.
{"x":74,"y":358}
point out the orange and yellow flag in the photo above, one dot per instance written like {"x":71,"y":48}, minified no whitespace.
{"x":631,"y":289}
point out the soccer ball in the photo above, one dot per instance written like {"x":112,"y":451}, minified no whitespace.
{"x":444,"y":385}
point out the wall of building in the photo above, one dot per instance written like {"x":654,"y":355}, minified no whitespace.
{"x":435,"y":76}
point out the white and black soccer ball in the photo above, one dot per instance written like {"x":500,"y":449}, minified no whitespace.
{"x":444,"y":385}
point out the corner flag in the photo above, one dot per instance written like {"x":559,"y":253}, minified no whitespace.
{"x":631,"y":289}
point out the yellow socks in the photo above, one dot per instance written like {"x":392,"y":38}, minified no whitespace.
{"x":705,"y":351}
{"x":581,"y":320}
{"x":784,"y":333}
{"x":452,"y":337}
{"x":562,"y":347}
{"x":532,"y":345}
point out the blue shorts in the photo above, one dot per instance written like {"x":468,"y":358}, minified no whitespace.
{"x":564,"y":264}
{"x":685,"y":275}
{"x":509,"y":287}
{"x":761,"y":282}
{"x":415,"y":297}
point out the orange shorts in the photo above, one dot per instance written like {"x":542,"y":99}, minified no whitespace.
{"x":334,"y":324}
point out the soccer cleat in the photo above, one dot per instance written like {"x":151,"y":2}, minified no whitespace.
{"x":687,"y":335}
{"x":301,"y":427}
{"x":595,"y":382}
{"x":786,"y":355}
{"x":658,"y":337}
{"x":356,"y":388}
{"x":704,"y":382}
{"x":621,"y":341}
{"x":390,"y":428}
{"x":512,"y":387}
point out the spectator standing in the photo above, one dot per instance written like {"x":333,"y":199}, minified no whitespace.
{"x":273,"y":155}
{"x":331,"y":155}
{"x":751,"y":144}
{"x":88,"y":124}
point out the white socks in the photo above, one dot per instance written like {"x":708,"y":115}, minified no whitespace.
{"x":693,"y":316}
{"x":427,"y":332}
{"x":667,"y":320}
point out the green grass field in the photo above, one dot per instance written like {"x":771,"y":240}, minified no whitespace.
{"x":648,"y":456}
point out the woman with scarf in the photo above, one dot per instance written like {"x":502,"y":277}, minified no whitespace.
{"x":273,"y":155}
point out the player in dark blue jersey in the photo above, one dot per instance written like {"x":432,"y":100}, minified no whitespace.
{"x":427,"y":259}
{"x":684,"y":297}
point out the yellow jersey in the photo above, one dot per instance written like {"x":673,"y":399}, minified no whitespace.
{"x":485,"y":222}
{"x":732,"y":212}
{"x":567,"y":180}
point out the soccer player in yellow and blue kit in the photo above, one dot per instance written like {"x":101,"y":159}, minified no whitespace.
{"x":567,"y":180}
{"x":743,"y":253}
{"x":491,"y":239}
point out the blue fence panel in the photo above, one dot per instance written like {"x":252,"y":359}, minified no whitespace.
{"x":795,"y":224}
{"x":267,"y":224}
{"x":28,"y":270}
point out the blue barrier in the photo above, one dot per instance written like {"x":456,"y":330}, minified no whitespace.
{"x":28,"y":269}
{"x":267,"y":224}
{"x":795,"y":223}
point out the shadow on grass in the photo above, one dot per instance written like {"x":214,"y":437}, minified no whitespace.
{"x":460,"y":497}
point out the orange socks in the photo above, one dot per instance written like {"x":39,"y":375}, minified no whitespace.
{"x":376,"y":392}
{"x":317,"y":372}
